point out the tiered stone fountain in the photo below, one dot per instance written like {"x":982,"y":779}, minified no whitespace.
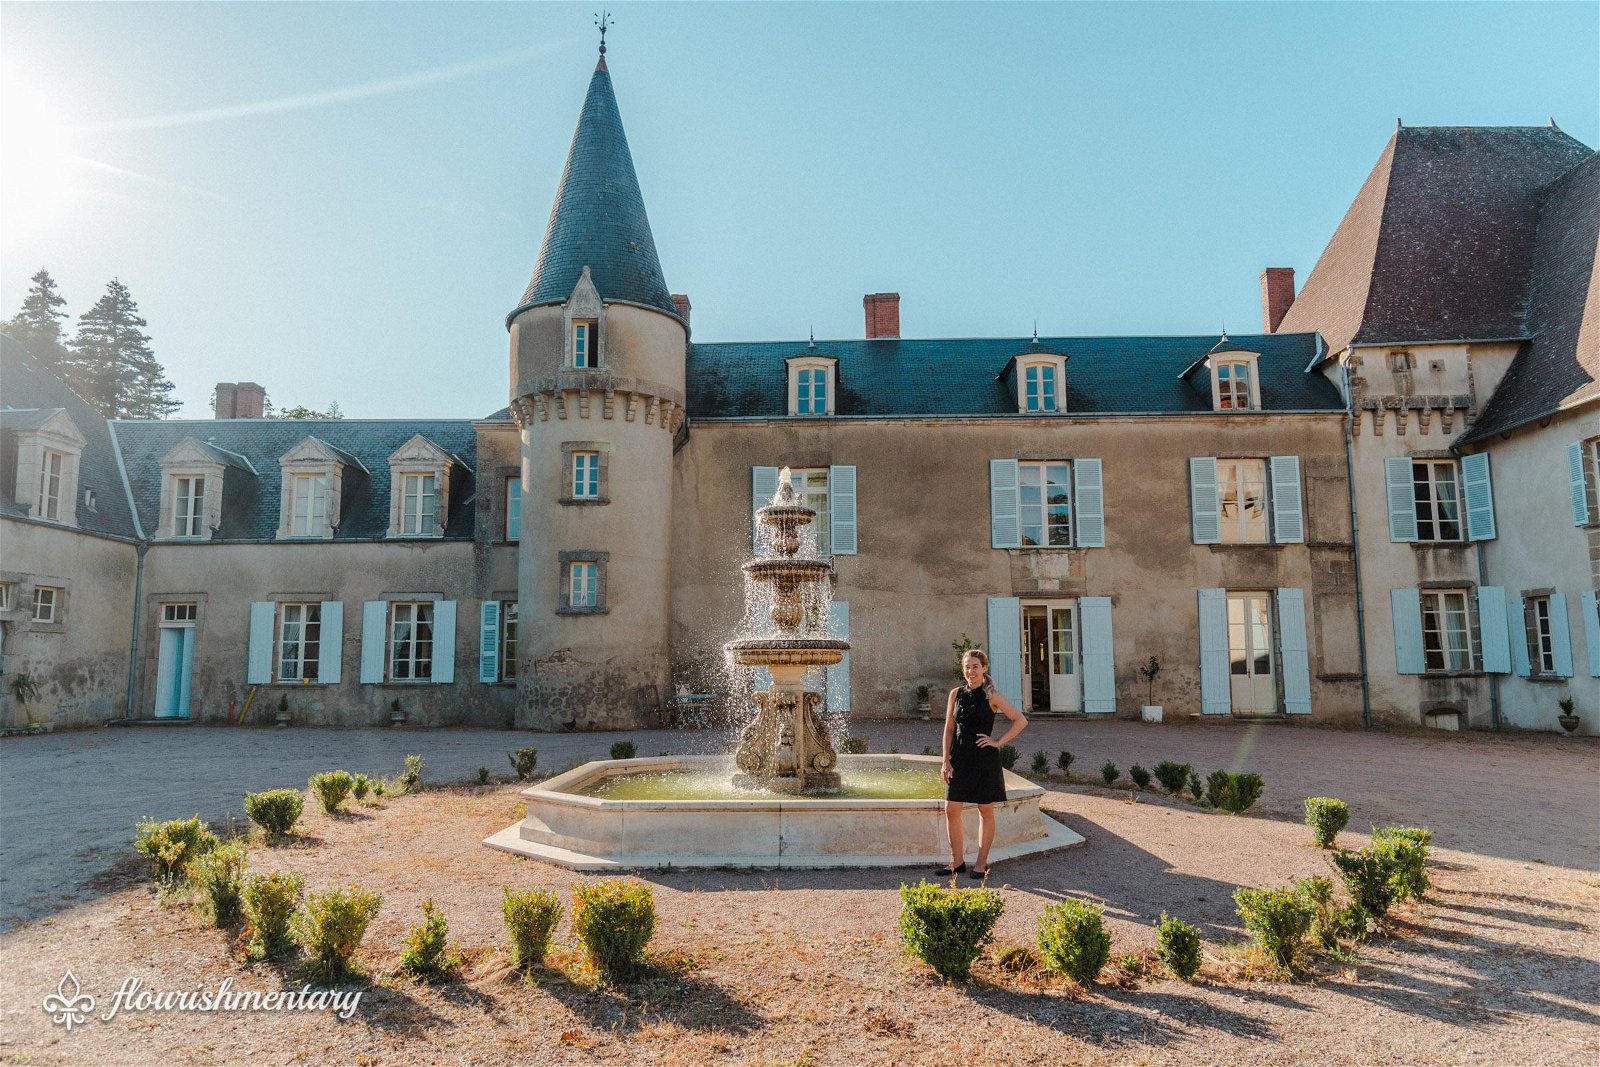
{"x":787,"y":799}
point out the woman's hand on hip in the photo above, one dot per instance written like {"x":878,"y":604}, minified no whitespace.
{"x":985,"y":741}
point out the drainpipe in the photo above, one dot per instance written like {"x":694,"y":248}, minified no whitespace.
{"x":1494,"y":679}
{"x":1355,"y":543}
{"x":133,"y":644}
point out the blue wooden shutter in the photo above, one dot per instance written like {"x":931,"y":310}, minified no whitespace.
{"x":1216,"y":693}
{"x":1099,"y":659}
{"x":1288,"y":521}
{"x":1005,"y":646}
{"x":1296,"y":652}
{"x":1591,"y":630}
{"x":842,"y":501}
{"x":1480,"y":496}
{"x":1089,"y":503}
{"x":1560,"y":635}
{"x":374,"y":639}
{"x":763,"y":484}
{"x":1402,"y":499}
{"x":330,"y":664}
{"x":1516,"y":625}
{"x":1204,"y":517}
{"x":263,"y":614}
{"x":444,"y":641}
{"x":1580,"y":493}
{"x":1405,"y":606}
{"x":1494,"y":635}
{"x":1004,"y":529}
{"x":839,"y":673}
{"x":489,"y":641}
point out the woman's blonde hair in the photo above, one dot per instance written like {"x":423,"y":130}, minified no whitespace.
{"x":982,"y":657}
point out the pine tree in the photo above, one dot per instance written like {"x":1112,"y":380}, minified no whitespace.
{"x":38,"y":324}
{"x":111,"y":364}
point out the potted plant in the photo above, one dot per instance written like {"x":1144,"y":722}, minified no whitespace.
{"x":922,"y":702}
{"x":283,"y":716}
{"x":1151,"y":711}
{"x":396,"y":716}
{"x":24,"y":689}
{"x":1568,"y":718}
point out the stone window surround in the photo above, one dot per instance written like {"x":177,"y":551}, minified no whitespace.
{"x":795,"y":365}
{"x":601,"y":560}
{"x":1039,"y":359}
{"x":310,"y":457}
{"x":419,"y":456}
{"x":58,"y":620}
{"x":58,"y":434}
{"x":189,"y":459}
{"x":602,"y":448}
{"x":1533,"y":639}
{"x":1469,"y":591}
{"x":1251,"y":360}
{"x":584,"y":305}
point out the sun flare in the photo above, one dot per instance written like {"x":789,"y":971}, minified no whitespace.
{"x":35,"y":159}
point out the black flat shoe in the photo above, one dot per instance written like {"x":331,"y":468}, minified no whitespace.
{"x":948,"y":871}
{"x":976,"y":874}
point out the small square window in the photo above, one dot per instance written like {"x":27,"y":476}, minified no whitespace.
{"x":583,"y":582}
{"x":47,"y":604}
{"x":8,"y":596}
{"x":513,"y":509}
{"x":179,"y":613}
{"x":89,"y":503}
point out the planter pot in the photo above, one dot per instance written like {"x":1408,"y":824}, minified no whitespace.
{"x":1569,"y":723}
{"x":1150,"y":712}
{"x":397,"y":718}
{"x":283,"y":718}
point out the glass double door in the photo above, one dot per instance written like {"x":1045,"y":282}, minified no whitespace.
{"x":1252,"y":679}
{"x":1050,"y":676}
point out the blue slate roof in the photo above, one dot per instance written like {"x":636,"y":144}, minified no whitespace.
{"x":250,"y":504}
{"x":900,"y":376}
{"x":599,"y":219}
{"x":27,"y":385}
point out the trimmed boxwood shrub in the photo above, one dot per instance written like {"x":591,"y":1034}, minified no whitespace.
{"x":1233,"y":793}
{"x":1326,"y":816}
{"x":426,"y":953}
{"x":1073,"y":939}
{"x":1140,"y":776}
{"x":531,"y":916}
{"x":275,"y":811}
{"x":947,"y":928}
{"x":622,"y":750}
{"x":1278,"y":918}
{"x":360,"y":786}
{"x":1041,"y":764}
{"x":1064,"y":761}
{"x":331,"y":787}
{"x":219,"y":876}
{"x":523,"y":761}
{"x":1173,"y":776}
{"x":172,"y":845}
{"x":1406,"y":850}
{"x":614,"y":919}
{"x":1178,"y":946}
{"x":1009,"y":754}
{"x":330,"y":926}
{"x":269,"y":901}
{"x":1109,"y":772}
{"x":1366,"y":875}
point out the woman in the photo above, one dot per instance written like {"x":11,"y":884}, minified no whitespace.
{"x":971,"y":769}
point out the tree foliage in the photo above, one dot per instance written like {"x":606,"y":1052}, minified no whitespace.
{"x":38,"y":325}
{"x":110,"y":362}
{"x":300,"y":411}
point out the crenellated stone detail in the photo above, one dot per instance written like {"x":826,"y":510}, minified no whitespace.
{"x":574,"y":395}
{"x":1403,"y":407}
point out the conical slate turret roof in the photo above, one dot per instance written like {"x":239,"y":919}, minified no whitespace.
{"x":599,"y":219}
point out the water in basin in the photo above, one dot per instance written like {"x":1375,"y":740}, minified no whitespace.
{"x":913,"y":781}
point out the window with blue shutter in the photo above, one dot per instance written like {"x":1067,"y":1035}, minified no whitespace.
{"x":1402,"y":500}
{"x":1204,"y":518}
{"x":1005,"y":646}
{"x":763,"y":484}
{"x":330,"y":665}
{"x":1480,"y":496}
{"x":489,"y":641}
{"x":1288,"y":521}
{"x":842,"y":494}
{"x":1575,"y":484}
{"x":1560,"y":636}
{"x":1216,"y":697}
{"x":1099,"y":658}
{"x":1004,"y":529}
{"x":1089,"y":503}
{"x":1494,"y":632}
{"x":1517,"y":627}
{"x":1405,"y":608}
{"x":1296,"y":652}
{"x":444,"y":641}
{"x":263,"y":615}
{"x":374,"y":639}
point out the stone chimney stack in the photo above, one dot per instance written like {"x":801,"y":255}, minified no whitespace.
{"x":883,"y":314}
{"x":1277,"y":293}
{"x":681,"y":302}
{"x":240,"y":400}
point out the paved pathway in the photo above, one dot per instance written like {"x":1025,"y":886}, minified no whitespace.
{"x":69,"y":801}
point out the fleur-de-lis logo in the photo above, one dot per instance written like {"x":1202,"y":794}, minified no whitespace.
{"x":69,"y":1004}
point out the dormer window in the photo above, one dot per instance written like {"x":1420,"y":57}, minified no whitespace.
{"x":313,"y":478}
{"x":419,"y":505}
{"x":48,"y":449}
{"x":308,"y":505}
{"x":51,"y":467}
{"x":419,"y":473}
{"x":192,"y":484}
{"x":585,"y":319}
{"x":189,"y":518}
{"x":585,"y":343}
{"x":1041,"y":383}
{"x":811,"y":385}
{"x":1234,"y":383}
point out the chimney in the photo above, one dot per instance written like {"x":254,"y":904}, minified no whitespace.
{"x":226,"y":399}
{"x":681,"y":302}
{"x":1277,"y":293}
{"x":883,"y":314}
{"x":250,"y":401}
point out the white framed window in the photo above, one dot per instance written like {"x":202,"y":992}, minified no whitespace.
{"x":585,"y":343}
{"x":417,"y":505}
{"x":1446,"y":638}
{"x":178,"y":614}
{"x":411,"y":641}
{"x":508,"y":640}
{"x":583,"y":588}
{"x":586,"y":475}
{"x":299,"y":642}
{"x":51,"y":466}
{"x":308,"y":505}
{"x":8,"y":596}
{"x":811,"y":489}
{"x":1234,"y":384}
{"x":47,"y":604}
{"x":1039,"y":387}
{"x":811,"y":385}
{"x":1242,"y":501}
{"x":1044,"y":503}
{"x":1436,"y":492}
{"x":513,"y":509}
{"x":188,"y":505}
{"x":1541,"y":634}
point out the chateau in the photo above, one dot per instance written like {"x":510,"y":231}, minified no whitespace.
{"x":1382,"y":508}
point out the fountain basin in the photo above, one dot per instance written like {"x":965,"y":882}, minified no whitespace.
{"x":787,"y":651}
{"x":588,"y":833}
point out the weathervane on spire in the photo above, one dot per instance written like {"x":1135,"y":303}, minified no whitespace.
{"x":603,"y":20}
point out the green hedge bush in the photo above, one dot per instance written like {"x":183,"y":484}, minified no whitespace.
{"x":1073,"y":939}
{"x":1173,"y":776}
{"x":331,"y":788}
{"x":1406,"y":850}
{"x":1009,"y":755}
{"x":360,"y":786}
{"x":329,"y":927}
{"x":1041,"y":764}
{"x":947,"y":928}
{"x":172,"y":845}
{"x":275,"y":811}
{"x":622,"y":750}
{"x":1233,"y":793}
{"x":410,"y":779}
{"x":1109,"y":772}
{"x":614,"y":919}
{"x":1367,"y":877}
{"x":1178,"y":946}
{"x":427,"y":953}
{"x":1140,"y":776}
{"x":219,"y":876}
{"x":1278,"y":918}
{"x":269,"y":902}
{"x":1064,"y":761}
{"x":1326,"y":816}
{"x":523,"y":761}
{"x":531,"y":916}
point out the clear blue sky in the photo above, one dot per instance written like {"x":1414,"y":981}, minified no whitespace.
{"x":342,"y":201}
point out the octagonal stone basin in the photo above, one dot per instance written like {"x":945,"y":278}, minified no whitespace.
{"x":588,"y":833}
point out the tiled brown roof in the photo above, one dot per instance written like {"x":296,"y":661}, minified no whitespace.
{"x":1438,"y":245}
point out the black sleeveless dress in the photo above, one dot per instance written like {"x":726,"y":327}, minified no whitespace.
{"x":976,"y":776}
